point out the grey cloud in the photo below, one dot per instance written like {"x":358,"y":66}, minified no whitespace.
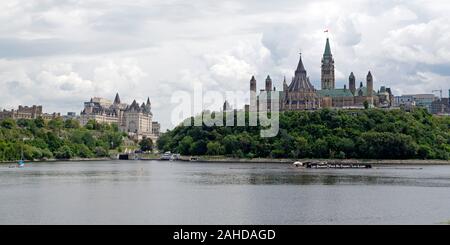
{"x":21,"y":48}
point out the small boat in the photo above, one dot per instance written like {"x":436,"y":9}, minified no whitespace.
{"x":166,"y":156}
{"x":193,"y":159}
{"x":174,"y":157}
{"x":21,"y":162}
{"x":298,"y":164}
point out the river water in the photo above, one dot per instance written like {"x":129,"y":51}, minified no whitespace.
{"x":153,"y":192}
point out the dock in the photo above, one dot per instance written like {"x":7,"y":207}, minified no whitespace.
{"x":322,"y":165}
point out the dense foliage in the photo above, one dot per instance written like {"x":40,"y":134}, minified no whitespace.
{"x":56,"y":138}
{"x":146,"y":144}
{"x":364,"y":134}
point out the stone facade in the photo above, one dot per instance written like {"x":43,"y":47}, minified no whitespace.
{"x":28,"y":112}
{"x":135,"y":119}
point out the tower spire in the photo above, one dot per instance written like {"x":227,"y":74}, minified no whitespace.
{"x":117,"y":99}
{"x":300,"y":67}
{"x":327,"y":48}
{"x":327,"y":76}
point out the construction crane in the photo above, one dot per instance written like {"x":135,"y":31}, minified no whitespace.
{"x":440,"y":90}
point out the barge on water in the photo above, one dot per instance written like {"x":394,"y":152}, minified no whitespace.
{"x":326,"y":165}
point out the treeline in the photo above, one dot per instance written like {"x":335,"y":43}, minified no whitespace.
{"x":362,"y":134}
{"x":56,"y":138}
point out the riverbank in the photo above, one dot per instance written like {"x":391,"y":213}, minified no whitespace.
{"x":99,"y":159}
{"x":213,"y":159}
{"x":221,"y":159}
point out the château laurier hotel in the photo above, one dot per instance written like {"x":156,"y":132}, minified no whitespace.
{"x":134,"y":119}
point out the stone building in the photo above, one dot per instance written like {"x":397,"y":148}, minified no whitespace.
{"x":135,"y":119}
{"x":28,"y":112}
{"x":327,"y":72}
{"x":351,"y":97}
{"x":300,"y":94}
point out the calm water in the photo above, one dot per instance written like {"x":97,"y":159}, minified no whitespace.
{"x":151,"y":192}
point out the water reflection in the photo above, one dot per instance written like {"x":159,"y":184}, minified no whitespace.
{"x":315,"y":177}
{"x":146,"y":192}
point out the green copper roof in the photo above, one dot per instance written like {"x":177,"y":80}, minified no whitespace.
{"x":327,"y":48}
{"x":340,"y":92}
{"x":364,"y":91}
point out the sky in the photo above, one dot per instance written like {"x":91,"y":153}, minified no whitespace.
{"x":60,"y":53}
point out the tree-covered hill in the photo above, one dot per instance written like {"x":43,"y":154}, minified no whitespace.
{"x":56,"y":138}
{"x":363,"y":134}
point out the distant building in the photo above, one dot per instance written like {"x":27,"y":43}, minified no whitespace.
{"x":135,"y":119}
{"x":71,"y":115}
{"x":156,"y":129}
{"x":441,"y":106}
{"x":413,"y":100}
{"x":28,"y":112}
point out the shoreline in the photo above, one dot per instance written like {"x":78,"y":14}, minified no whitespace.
{"x":331,"y":161}
{"x":261,"y":160}
{"x":101,"y":159}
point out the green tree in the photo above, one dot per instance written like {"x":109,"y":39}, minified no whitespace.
{"x":71,"y":123}
{"x":8,"y":123}
{"x":39,"y":122}
{"x":366,"y":104}
{"x":64,"y":152}
{"x":185,"y":145}
{"x":56,"y":124}
{"x":215,"y":148}
{"x":146,"y":144}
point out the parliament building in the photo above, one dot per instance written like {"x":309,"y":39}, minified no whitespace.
{"x":300,"y":94}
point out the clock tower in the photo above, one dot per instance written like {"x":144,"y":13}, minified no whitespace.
{"x":327,"y":79}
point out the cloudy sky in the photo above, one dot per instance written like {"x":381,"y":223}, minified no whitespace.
{"x":59,"y":53}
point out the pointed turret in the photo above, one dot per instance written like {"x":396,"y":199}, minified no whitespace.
{"x":253,"y":84}
{"x":117,"y":99}
{"x":352,"y":83}
{"x":327,"y":51}
{"x":148,"y":101}
{"x":268,"y":83}
{"x":300,"y":67}
{"x":369,"y":84}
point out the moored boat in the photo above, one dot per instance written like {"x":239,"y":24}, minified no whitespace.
{"x":166,"y":156}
